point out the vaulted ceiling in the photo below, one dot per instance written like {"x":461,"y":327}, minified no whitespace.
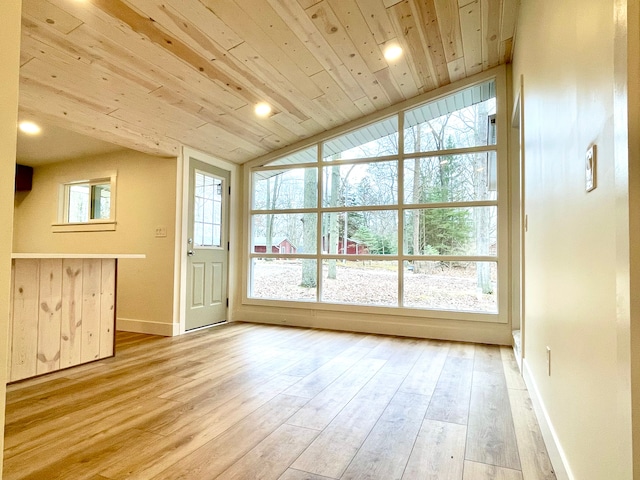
{"x":152,"y":75}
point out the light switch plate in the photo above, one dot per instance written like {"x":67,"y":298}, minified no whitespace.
{"x":590,"y":165}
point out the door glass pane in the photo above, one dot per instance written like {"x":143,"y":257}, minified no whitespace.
{"x":207,"y":211}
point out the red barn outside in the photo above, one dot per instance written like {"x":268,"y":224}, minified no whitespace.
{"x":278,"y":245}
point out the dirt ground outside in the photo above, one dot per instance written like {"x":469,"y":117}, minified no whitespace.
{"x":439,"y":285}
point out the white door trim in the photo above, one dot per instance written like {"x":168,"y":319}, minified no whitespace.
{"x":182,"y":216}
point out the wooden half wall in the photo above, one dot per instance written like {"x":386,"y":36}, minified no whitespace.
{"x":62,"y":314}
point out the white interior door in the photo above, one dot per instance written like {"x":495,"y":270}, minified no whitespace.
{"x":207,"y":246}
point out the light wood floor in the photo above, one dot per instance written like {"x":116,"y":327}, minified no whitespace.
{"x":245,"y":401}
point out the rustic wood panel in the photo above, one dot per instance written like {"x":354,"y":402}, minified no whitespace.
{"x":328,"y":24}
{"x":470,"y":18}
{"x":410,"y":36}
{"x":10,"y":326}
{"x":150,"y":75}
{"x":449,"y":23}
{"x":211,"y":404}
{"x":107,"y":307}
{"x":354,"y":23}
{"x":427,"y":20}
{"x":53,"y":302}
{"x":91,"y":280}
{"x":55,"y":16}
{"x":294,"y":15}
{"x":491,"y":18}
{"x":71,"y":321}
{"x":24,"y":343}
{"x":50,"y":315}
{"x":260,"y":26}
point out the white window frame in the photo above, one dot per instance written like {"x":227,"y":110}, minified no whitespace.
{"x":62,"y":223}
{"x":503,"y":254}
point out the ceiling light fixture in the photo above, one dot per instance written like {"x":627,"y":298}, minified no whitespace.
{"x":29,"y":128}
{"x":392,"y":52}
{"x":263,"y":109}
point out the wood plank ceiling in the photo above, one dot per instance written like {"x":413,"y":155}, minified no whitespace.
{"x":156,"y":74}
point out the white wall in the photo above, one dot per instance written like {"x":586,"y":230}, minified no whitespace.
{"x":9,"y":59}
{"x":628,"y":104}
{"x":565,"y":50}
{"x":145,"y":199}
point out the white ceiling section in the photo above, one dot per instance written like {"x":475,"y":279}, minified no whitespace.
{"x":152,"y":75}
{"x":443,"y":106}
{"x":56,"y":144}
{"x":361,"y":136}
{"x":451,"y":103}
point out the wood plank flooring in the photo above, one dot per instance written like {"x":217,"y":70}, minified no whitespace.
{"x":243,"y":401}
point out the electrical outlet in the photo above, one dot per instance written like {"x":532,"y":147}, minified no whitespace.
{"x":548,"y":361}
{"x":161,"y":232}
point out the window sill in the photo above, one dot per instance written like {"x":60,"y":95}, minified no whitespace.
{"x":83,"y":227}
{"x":388,"y":311}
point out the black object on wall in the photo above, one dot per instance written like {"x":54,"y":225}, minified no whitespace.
{"x":24,"y":175}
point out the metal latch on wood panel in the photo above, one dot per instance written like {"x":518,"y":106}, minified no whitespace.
{"x":227,"y":303}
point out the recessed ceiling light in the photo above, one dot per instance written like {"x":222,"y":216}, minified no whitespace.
{"x":392,"y":52}
{"x":29,"y":128}
{"x":263,"y":109}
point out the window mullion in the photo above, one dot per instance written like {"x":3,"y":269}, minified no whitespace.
{"x":452,"y":151}
{"x":319,"y":219}
{"x":399,"y":209}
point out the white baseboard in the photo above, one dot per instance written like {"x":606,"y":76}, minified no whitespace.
{"x":146,"y":326}
{"x":551,"y":440}
{"x":439,"y":329}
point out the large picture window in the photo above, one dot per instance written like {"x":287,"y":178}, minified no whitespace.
{"x":401,"y":213}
